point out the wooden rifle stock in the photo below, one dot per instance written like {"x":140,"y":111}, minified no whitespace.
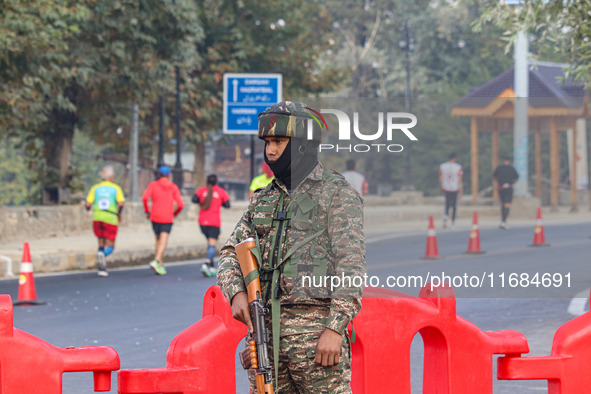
{"x":259,"y":354}
{"x":248,"y":263}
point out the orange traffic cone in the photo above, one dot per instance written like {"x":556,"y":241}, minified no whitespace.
{"x":474,"y":241}
{"x":27,"y":295}
{"x":539,"y":238}
{"x":432,"y":252}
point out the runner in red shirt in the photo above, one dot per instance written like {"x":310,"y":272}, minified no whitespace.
{"x":210,"y":199}
{"x":164,"y":195}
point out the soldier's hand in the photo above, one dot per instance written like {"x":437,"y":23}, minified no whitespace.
{"x":328,"y":349}
{"x":240,"y":310}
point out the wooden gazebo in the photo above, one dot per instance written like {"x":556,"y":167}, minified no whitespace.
{"x":553,"y":105}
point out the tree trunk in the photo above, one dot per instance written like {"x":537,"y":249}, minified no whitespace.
{"x":61,"y":159}
{"x":58,"y":144}
{"x":199,"y":165}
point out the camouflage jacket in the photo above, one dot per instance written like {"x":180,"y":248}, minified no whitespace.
{"x":323,"y":240}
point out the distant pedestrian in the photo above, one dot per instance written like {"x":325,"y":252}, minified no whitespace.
{"x":210,"y":199}
{"x":262,"y":180}
{"x":164,"y":195}
{"x":506,"y":176}
{"x":106,"y":200}
{"x":450,"y":182}
{"x":355,"y":178}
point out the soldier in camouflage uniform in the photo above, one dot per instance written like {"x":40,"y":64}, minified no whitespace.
{"x":308,"y":223}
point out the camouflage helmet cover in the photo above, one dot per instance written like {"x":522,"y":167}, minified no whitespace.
{"x":290,"y":119}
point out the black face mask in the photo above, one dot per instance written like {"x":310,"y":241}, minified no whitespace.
{"x":282,"y":166}
{"x":295,"y":163}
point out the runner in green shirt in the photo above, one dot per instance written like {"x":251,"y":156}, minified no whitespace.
{"x":106,"y":200}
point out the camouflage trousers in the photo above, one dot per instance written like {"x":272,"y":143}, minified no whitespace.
{"x":299,"y":374}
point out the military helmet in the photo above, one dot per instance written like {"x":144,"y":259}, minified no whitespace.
{"x":291,"y":119}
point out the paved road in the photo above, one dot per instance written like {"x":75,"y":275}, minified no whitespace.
{"x":138,"y":313}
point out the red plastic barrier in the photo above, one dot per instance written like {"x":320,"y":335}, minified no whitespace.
{"x":31,"y":365}
{"x":457,"y":354}
{"x":567,"y":366}
{"x":201,"y":359}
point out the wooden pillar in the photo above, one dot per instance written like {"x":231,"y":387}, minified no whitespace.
{"x":574,"y":206}
{"x":495,"y":160}
{"x":538,"y":148}
{"x":554,"y":164}
{"x":474,"y":157}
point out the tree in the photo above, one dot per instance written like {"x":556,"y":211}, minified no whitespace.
{"x":360,"y":29}
{"x":240,"y":37}
{"x":564,"y":24}
{"x":13,"y":175}
{"x":449,"y":57}
{"x":33,"y":38}
{"x":78,"y":65}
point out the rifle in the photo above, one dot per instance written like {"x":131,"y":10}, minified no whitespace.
{"x":259,"y":343}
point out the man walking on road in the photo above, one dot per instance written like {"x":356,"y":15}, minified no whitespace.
{"x":506,"y":176}
{"x":450,"y":182}
{"x":210,"y":199}
{"x":308,"y":223}
{"x":355,"y":178}
{"x":164,"y":195}
{"x":106,"y":200}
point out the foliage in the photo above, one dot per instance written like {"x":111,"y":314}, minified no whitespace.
{"x":86,"y":162}
{"x":33,"y":39}
{"x":254,"y":38}
{"x":13,"y":175}
{"x":566,"y":25}
{"x":76,"y":64}
{"x":447,"y":59}
{"x":71,"y":70}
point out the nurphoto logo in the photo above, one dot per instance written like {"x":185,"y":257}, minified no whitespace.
{"x":396,"y":123}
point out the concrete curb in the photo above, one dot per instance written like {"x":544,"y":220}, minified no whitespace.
{"x":73,"y":252}
{"x":122,"y":258}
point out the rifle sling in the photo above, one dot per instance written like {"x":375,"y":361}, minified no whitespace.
{"x":252,"y":275}
{"x":275,"y":297}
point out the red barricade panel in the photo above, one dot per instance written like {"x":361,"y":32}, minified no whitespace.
{"x":201,"y":359}
{"x":458,"y":355}
{"x":31,"y":365}
{"x":567,"y":366}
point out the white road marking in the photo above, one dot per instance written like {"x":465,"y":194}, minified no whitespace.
{"x":579,"y":303}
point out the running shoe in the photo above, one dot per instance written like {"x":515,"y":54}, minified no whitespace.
{"x":504,"y":226}
{"x":157,"y":267}
{"x":208,"y":271}
{"x":101,"y":260}
{"x":205,"y":269}
{"x":445,"y":219}
{"x":213,"y":271}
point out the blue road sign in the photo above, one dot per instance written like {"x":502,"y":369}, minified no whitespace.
{"x":247,"y":95}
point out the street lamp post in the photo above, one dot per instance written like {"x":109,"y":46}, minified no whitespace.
{"x":161,"y":133}
{"x":178,"y":167}
{"x":133,"y":155}
{"x":177,"y":172}
{"x":408,"y":44}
